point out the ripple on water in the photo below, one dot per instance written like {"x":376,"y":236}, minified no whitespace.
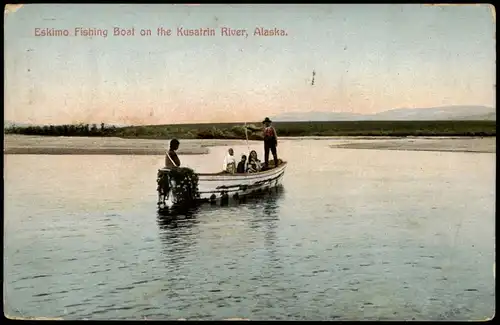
{"x":107,"y":310}
{"x":78,"y":304}
{"x":99,"y":271}
{"x":124,"y":288}
{"x":50,"y":293}
{"x":70,"y":259}
{"x":319,"y":271}
{"x":72,"y":236}
{"x":38,"y":276}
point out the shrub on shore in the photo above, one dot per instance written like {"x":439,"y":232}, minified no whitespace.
{"x":288,"y":129}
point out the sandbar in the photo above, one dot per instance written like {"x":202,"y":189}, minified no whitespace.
{"x":26,"y":144}
{"x":457,"y":144}
{"x":44,"y":145}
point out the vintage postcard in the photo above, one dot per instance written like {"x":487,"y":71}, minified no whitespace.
{"x":249,"y":162}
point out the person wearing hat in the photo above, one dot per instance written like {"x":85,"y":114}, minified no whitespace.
{"x":270,"y":142}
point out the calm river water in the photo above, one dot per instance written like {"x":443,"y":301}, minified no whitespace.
{"x":353,"y":235}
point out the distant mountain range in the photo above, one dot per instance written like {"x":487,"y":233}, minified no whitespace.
{"x":399,"y":114}
{"x":460,"y":113}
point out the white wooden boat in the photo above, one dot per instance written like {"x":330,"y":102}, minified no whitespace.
{"x":219,"y":187}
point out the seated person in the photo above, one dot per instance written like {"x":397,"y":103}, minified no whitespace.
{"x":171,"y":158}
{"x":242,"y":165}
{"x":229,"y":165}
{"x":254,"y":164}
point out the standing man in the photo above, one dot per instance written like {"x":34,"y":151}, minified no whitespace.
{"x":171,"y":159}
{"x":270,"y":142}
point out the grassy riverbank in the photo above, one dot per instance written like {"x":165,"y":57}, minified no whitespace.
{"x":288,"y":129}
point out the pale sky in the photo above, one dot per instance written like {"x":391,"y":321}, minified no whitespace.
{"x":367,"y":58}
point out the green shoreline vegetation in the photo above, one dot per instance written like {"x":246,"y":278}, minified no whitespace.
{"x":284,"y":129}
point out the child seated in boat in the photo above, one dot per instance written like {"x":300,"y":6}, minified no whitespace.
{"x":242,"y":165}
{"x":229,"y":165}
{"x":254,"y":164}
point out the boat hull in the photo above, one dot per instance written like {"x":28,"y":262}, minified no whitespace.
{"x":221,"y":187}
{"x":216,"y":187}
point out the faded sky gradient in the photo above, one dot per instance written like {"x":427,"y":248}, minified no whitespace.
{"x":368,"y":58}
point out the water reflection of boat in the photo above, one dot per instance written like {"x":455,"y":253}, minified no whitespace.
{"x":182,"y":219}
{"x":178,"y":236}
{"x":220,"y":187}
{"x":184,"y":213}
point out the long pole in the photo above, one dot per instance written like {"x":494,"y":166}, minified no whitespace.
{"x":246,"y":136}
